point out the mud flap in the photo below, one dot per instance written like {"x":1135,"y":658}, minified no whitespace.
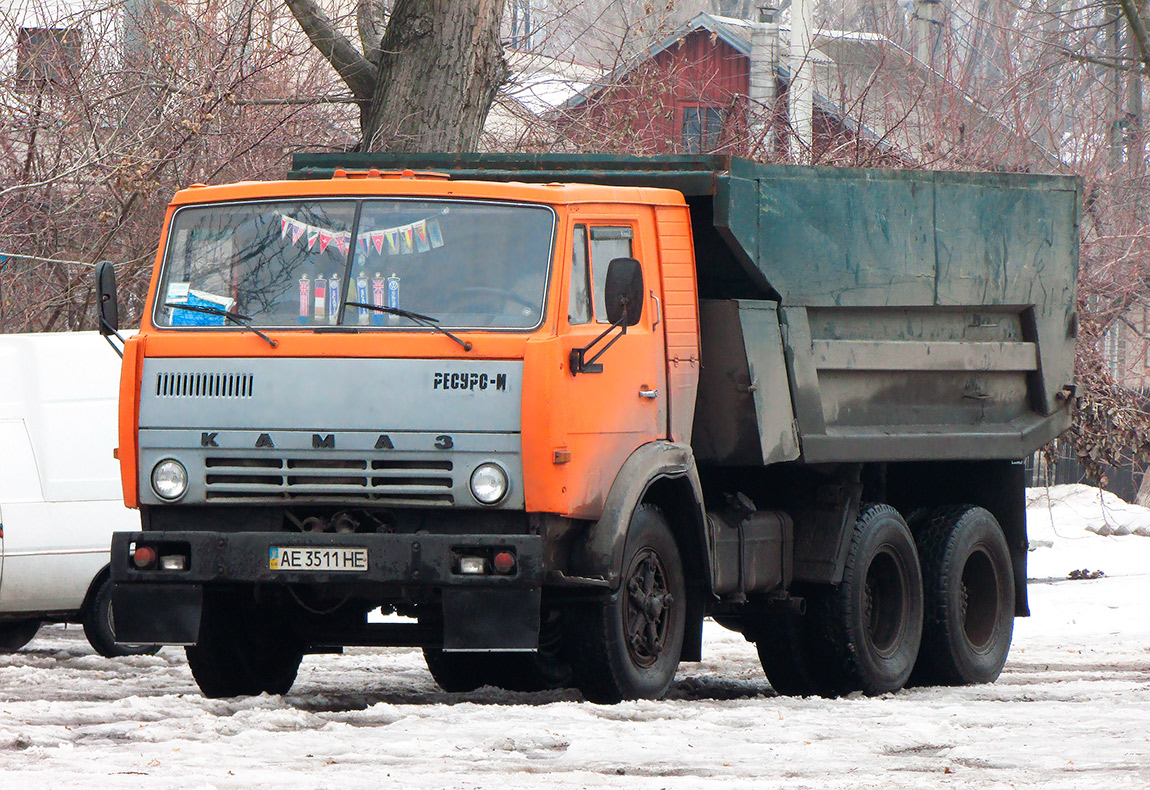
{"x":157,"y":614}
{"x":490,"y":619}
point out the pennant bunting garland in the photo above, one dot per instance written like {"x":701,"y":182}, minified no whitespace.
{"x":422,"y":236}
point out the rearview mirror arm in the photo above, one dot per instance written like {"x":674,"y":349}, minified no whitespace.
{"x":108,"y":336}
{"x":578,"y":361}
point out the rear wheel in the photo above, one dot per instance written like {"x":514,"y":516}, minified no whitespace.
{"x":627,"y":645}
{"x":14,"y":634}
{"x":242,"y":649}
{"x":969,"y":583}
{"x":100,"y":626}
{"x":874,"y":623}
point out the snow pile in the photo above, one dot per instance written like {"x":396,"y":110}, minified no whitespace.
{"x":1099,"y":511}
{"x":1077,"y":528}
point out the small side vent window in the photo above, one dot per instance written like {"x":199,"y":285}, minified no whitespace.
{"x":205,"y":385}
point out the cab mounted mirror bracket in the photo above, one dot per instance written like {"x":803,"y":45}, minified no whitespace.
{"x":623,"y":298}
{"x":579,"y":362}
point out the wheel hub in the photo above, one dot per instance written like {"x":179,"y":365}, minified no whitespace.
{"x":648,"y":601}
{"x":883,"y":603}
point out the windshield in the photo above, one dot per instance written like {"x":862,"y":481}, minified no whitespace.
{"x":296,"y":263}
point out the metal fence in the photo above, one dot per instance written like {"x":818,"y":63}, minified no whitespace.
{"x":1122,"y":481}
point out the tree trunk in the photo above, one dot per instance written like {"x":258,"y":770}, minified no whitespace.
{"x":1142,"y":498}
{"x":440,"y":66}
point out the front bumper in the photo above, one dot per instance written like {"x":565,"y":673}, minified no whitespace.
{"x":489,"y":611}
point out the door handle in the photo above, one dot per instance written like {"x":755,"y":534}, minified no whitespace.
{"x":648,"y":394}
{"x":658,"y":310}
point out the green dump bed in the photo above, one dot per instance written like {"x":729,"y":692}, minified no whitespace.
{"x":913,"y":314}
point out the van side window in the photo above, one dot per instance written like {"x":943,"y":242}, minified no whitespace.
{"x":607,"y":243}
{"x":579,"y":302}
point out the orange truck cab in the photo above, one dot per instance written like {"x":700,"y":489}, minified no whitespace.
{"x":485,"y":396}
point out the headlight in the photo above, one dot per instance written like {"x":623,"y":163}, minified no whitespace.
{"x":169,"y":479}
{"x":489,"y":483}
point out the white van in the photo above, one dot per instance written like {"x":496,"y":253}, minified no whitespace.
{"x":60,"y":495}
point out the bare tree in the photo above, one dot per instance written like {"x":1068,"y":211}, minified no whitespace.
{"x":107,"y":113}
{"x":424,"y":75}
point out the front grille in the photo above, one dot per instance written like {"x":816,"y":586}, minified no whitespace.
{"x":329,"y":479}
{"x":204,"y":385}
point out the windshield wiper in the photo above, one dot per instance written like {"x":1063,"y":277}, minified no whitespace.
{"x":419,"y":318}
{"x":235,"y":318}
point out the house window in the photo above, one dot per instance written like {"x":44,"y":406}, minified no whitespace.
{"x":702,"y":129}
{"x":46,"y":56}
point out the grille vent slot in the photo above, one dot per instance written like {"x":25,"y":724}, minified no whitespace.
{"x":205,"y":385}
{"x":270,"y":478}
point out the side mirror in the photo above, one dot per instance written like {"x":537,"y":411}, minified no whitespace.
{"x":107,"y":307}
{"x":623,"y":291}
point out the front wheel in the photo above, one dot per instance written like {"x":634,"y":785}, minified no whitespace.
{"x":545,"y":669}
{"x":14,"y":634}
{"x":100,"y":626}
{"x":243,"y":649}
{"x":457,"y":672}
{"x":969,"y":583}
{"x":627,"y":645}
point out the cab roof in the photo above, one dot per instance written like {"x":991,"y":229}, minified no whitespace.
{"x":425,"y":184}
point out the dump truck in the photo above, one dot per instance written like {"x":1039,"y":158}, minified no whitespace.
{"x":553,"y":411}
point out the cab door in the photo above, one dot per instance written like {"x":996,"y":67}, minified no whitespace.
{"x":622,"y":404}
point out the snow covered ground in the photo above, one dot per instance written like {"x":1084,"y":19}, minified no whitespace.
{"x":1071,"y":710}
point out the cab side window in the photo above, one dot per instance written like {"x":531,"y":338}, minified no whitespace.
{"x":579,"y":302}
{"x":593,"y":250}
{"x":607,"y":243}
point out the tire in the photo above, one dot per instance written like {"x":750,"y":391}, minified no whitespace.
{"x":543,"y":670}
{"x":242,"y":650}
{"x":874,"y":622}
{"x":457,"y":672}
{"x":793,"y":650}
{"x":14,"y":634}
{"x":969,"y":584}
{"x":627,"y":645}
{"x":100,"y":626}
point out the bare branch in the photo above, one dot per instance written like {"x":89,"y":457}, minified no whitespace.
{"x":1121,"y":64}
{"x":371,"y":19}
{"x":1134,"y":18}
{"x":352,"y":67}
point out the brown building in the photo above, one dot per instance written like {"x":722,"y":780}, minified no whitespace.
{"x":719,"y":84}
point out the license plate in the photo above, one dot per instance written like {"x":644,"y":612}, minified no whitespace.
{"x":333,"y":558}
